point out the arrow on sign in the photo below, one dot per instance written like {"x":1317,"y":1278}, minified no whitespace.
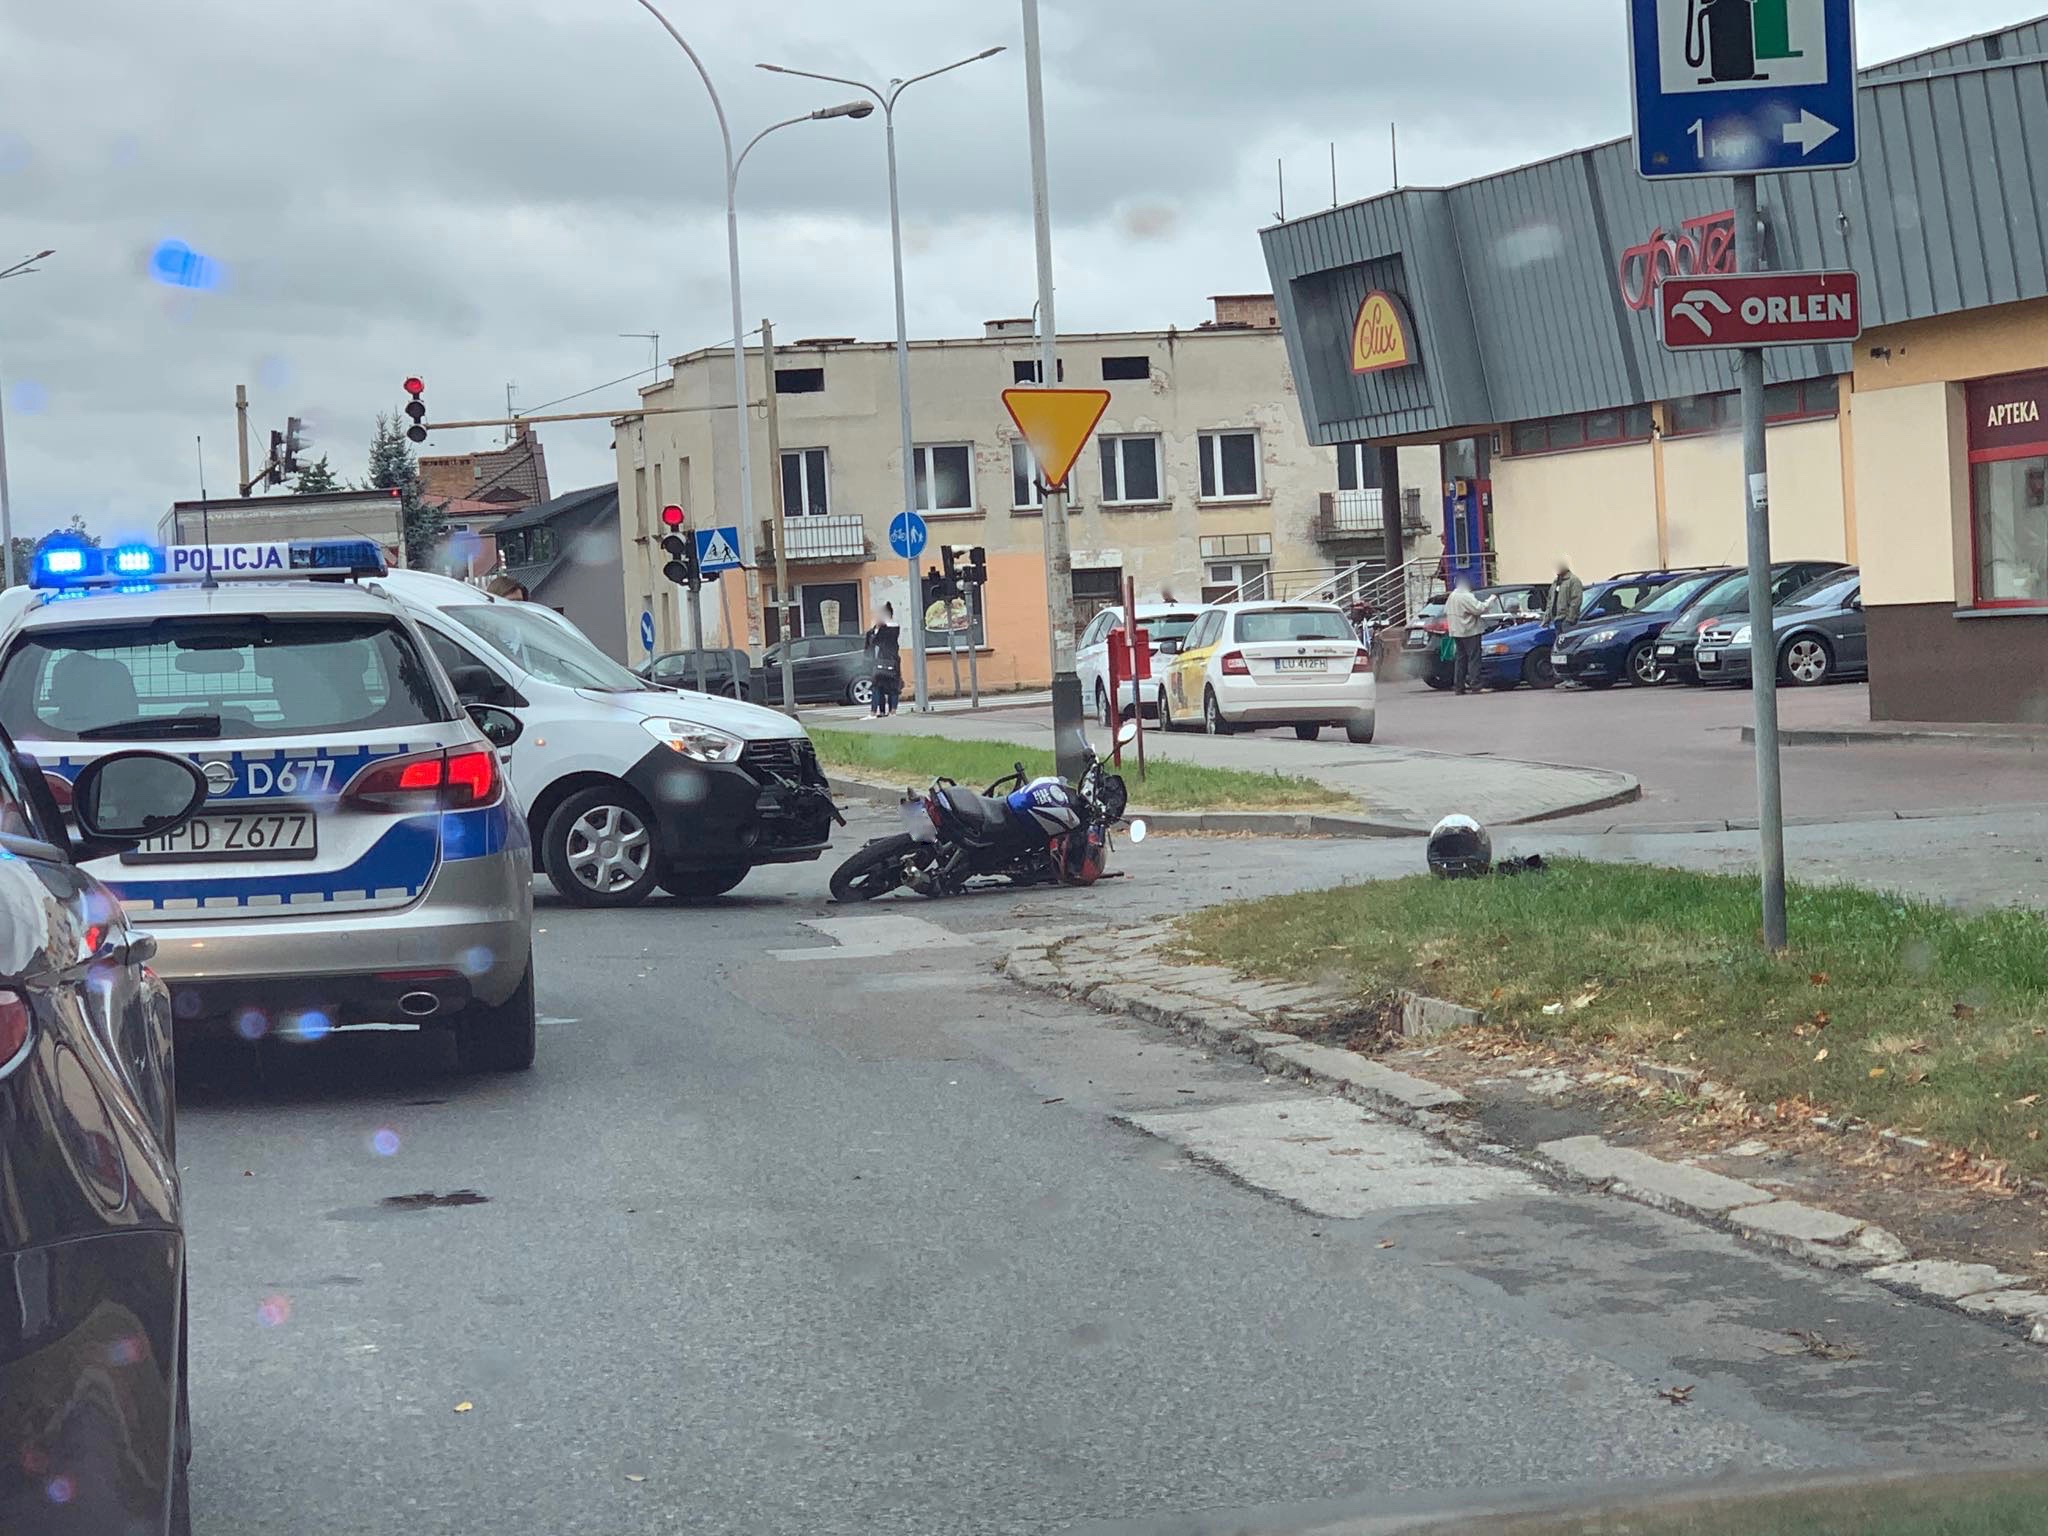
{"x":1056,"y":423}
{"x":1809,"y":132}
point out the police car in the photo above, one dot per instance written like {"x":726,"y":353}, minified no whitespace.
{"x":358,"y":857}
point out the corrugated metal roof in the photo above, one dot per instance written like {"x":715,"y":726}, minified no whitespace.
{"x":1513,"y":278}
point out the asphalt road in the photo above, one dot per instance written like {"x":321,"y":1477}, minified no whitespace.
{"x":777,"y":1238}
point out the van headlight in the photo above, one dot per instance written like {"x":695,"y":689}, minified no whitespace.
{"x":1740,"y":637}
{"x":693,"y":740}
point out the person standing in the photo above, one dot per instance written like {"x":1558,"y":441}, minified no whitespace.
{"x":883,"y":642}
{"x":1464,"y":614}
{"x":1567,"y":597}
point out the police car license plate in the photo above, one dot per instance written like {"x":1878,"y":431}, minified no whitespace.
{"x":1300,"y":664}
{"x":248,"y":834}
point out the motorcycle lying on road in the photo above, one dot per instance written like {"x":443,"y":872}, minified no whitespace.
{"x":1041,"y":831}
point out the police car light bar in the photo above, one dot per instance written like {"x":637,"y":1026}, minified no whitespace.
{"x":72,"y":567}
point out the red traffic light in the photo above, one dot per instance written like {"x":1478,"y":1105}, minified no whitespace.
{"x":415,"y":386}
{"x":672,"y":516}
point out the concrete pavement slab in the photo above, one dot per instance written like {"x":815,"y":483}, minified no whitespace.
{"x":1668,"y":1186}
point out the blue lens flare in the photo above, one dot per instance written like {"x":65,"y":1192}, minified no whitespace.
{"x":64,"y":562}
{"x":135,"y":560}
{"x":176,"y":265}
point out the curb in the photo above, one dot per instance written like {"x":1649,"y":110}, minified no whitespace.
{"x":1240,"y":1021}
{"x":1821,"y":736}
{"x":1277,"y":823}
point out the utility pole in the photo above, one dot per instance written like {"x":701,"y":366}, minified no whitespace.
{"x":1069,"y":737}
{"x":1763,"y":669}
{"x":242,"y":434}
{"x":781,"y":522}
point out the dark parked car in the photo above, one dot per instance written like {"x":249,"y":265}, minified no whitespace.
{"x":828,"y":669}
{"x":1525,"y":653}
{"x":94,"y":1430}
{"x":1512,"y":603}
{"x":1818,"y":633}
{"x":1729,"y":598}
{"x":1611,"y":648}
{"x":725,"y":672}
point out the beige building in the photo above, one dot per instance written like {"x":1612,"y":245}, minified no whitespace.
{"x":1200,"y":479}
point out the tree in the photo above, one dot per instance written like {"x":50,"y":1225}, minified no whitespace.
{"x":25,"y":549}
{"x":316,"y":477}
{"x":392,"y":466}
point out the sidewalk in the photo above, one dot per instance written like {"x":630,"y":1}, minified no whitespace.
{"x":2024,"y":738}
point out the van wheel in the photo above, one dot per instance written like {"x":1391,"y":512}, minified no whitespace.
{"x":702,"y":884}
{"x":500,"y":1039}
{"x":599,"y":848}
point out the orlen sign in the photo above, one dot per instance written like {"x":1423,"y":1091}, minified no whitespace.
{"x":1758,"y":309}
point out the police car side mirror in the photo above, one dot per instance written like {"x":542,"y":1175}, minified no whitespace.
{"x":500,"y":726}
{"x":124,"y":797}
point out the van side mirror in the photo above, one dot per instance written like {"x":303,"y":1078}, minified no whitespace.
{"x":500,"y":726}
{"x":476,"y":684}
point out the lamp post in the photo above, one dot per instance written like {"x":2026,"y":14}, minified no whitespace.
{"x":732,"y":262}
{"x":885,"y":97}
{"x":20,"y":269}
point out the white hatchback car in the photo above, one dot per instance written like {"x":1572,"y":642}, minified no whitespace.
{"x":1274,"y":663}
{"x":1160,"y":621}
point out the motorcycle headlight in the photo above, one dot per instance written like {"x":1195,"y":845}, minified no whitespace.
{"x":692,"y":740}
{"x":1600,"y":637}
{"x":1741,"y":636}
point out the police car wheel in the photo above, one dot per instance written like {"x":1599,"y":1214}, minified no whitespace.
{"x":500,"y":1039}
{"x":702,"y":884}
{"x":599,"y":848}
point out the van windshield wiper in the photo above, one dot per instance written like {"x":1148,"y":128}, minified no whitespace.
{"x":155,"y":725}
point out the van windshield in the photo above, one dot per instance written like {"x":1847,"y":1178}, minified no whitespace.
{"x":544,"y":646}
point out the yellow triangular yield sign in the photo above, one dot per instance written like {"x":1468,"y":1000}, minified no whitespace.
{"x":1056,"y":423}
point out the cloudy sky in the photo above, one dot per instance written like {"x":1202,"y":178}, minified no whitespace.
{"x":490,"y":191}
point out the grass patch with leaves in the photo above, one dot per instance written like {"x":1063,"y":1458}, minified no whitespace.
{"x":1901,"y":1012}
{"x":1168,"y":786}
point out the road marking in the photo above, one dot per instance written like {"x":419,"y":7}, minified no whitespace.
{"x":1331,"y":1158}
{"x":860,"y":938}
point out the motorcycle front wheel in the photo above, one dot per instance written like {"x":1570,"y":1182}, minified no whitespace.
{"x":875,"y":871}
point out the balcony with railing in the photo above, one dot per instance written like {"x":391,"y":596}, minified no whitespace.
{"x":1343,"y":515}
{"x":837,"y":539}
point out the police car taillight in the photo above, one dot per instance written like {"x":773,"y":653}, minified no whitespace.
{"x":449,"y":781}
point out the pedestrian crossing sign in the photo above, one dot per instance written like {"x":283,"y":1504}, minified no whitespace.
{"x":718,"y":549}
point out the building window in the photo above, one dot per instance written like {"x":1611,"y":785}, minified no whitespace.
{"x":1230,"y":465}
{"x":1095,"y":590}
{"x":1581,"y":429}
{"x":1130,"y":470}
{"x":945,"y":477}
{"x":1236,"y":563}
{"x":1356,"y":470}
{"x":1701,"y":413}
{"x":803,"y":483}
{"x":2008,"y":440}
{"x":1024,"y":492}
{"x":1033,"y":371}
{"x":799,"y":381}
{"x":1805,"y":399}
{"x":1114,"y":368}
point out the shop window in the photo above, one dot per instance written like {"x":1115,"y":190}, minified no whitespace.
{"x":1230,"y":465}
{"x":799,"y":381}
{"x":944,"y":477}
{"x":1024,"y":492}
{"x":1700,"y":413}
{"x":1115,"y":368}
{"x":1130,"y":470}
{"x":1584,"y":429}
{"x":1792,"y":402}
{"x":1635,"y":422}
{"x":1530,"y":437}
{"x":1567,"y":431}
{"x":2009,"y":509}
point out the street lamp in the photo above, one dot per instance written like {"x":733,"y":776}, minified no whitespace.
{"x":21,"y":268}
{"x":732,"y":259}
{"x":885,"y":97}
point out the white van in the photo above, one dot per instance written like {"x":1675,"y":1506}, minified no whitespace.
{"x":625,"y":787}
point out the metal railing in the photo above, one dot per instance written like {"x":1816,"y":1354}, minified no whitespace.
{"x":1362,"y":514}
{"x":836,"y":536}
{"x":1393,"y":594}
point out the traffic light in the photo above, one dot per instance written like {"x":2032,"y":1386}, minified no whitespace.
{"x":416,"y":408}
{"x":680,"y":548}
{"x":976,"y":569}
{"x":948,"y":555}
{"x":295,"y":437}
{"x":273,"y":467}
{"x":938,"y":584}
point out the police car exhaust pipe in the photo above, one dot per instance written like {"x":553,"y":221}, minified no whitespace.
{"x":419,"y":1005}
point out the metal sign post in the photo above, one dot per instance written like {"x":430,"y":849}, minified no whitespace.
{"x":1739,"y":89}
{"x":971,"y":590}
{"x":1141,"y":669}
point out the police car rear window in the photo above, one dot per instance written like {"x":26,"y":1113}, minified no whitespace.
{"x":215,"y":677}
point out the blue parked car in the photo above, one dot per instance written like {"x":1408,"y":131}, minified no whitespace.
{"x":1602,"y":650}
{"x":1527,"y":653}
